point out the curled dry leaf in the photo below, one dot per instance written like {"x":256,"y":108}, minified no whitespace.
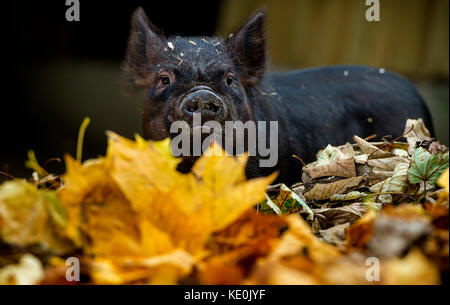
{"x":371,"y":150}
{"x":340,"y":168}
{"x":415,"y":132}
{"x":329,"y":217}
{"x":397,"y":183}
{"x":322,"y":191}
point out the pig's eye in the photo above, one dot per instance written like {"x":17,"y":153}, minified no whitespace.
{"x":164,"y":80}
{"x":229,"y":79}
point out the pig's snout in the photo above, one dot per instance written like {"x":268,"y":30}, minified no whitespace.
{"x":202,"y":100}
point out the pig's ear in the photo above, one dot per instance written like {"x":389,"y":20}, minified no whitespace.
{"x":248,"y":47}
{"x":145,"y":48}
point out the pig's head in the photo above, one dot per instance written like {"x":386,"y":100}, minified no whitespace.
{"x":187,"y":75}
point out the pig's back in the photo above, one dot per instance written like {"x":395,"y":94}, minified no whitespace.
{"x":362,"y":99}
{"x":330,"y":105}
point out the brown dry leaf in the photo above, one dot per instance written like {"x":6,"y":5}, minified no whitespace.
{"x":236,"y":248}
{"x":387,"y":164}
{"x":322,"y":191}
{"x":335,"y":235}
{"x":397,"y":183}
{"x":384,"y":168}
{"x":340,"y":168}
{"x":330,"y":217}
{"x":299,"y":235}
{"x":359,"y":233}
{"x":371,"y":150}
{"x":297,"y":259}
{"x":347,"y":150}
{"x":415,"y":131}
{"x":218,"y":272}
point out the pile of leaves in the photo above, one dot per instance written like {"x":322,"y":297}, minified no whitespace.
{"x":364,"y":213}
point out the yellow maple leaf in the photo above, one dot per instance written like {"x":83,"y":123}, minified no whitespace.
{"x":189,"y":207}
{"x":102,"y":214}
{"x":133,"y":205}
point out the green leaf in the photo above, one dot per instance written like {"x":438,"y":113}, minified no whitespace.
{"x":427,"y":167}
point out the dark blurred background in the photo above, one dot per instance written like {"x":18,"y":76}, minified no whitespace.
{"x":58,"y":72}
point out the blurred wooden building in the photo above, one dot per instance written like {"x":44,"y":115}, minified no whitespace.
{"x":412,"y":37}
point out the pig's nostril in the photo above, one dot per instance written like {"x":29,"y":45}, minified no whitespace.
{"x":192,"y":107}
{"x":212,"y":107}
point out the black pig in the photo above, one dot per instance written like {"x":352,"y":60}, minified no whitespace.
{"x":225,"y":80}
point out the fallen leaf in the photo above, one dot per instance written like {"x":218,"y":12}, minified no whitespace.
{"x":371,"y":150}
{"x":288,"y":201}
{"x":134,"y":212}
{"x":415,"y":132}
{"x":28,"y":271}
{"x":340,"y":168}
{"x":329,"y":155}
{"x":395,"y":184}
{"x":188,"y":207}
{"x":335,"y":235}
{"x":30,"y":216}
{"x":330,"y":217}
{"x":413,"y":269}
{"x":394,"y":236}
{"x":427,"y":167}
{"x":359,"y":233}
{"x":322,"y":191}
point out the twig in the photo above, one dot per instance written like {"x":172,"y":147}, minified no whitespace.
{"x":300,"y":159}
